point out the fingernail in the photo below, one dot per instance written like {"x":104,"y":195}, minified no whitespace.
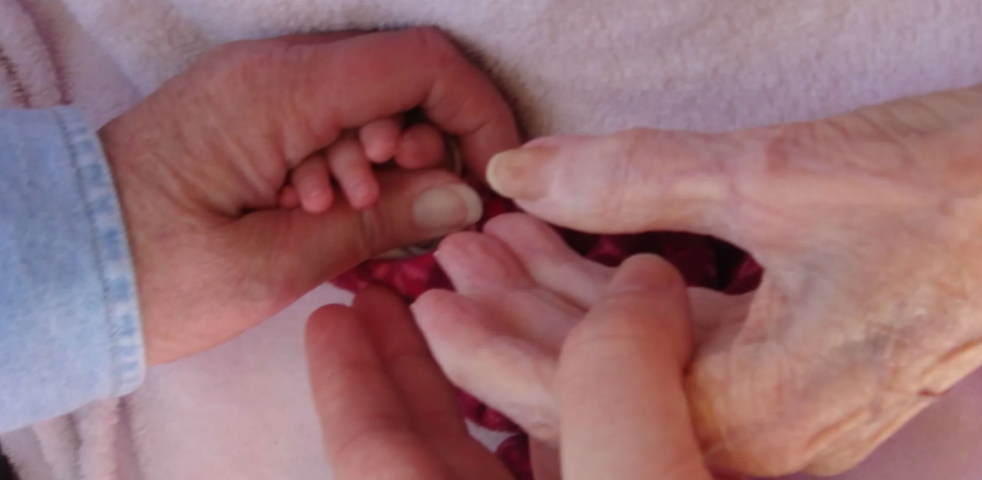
{"x":520,"y":174}
{"x":447,"y":207}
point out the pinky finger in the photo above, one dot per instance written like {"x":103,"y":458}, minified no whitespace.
{"x":353,"y":171}
{"x":313,"y":184}
{"x":381,"y":138}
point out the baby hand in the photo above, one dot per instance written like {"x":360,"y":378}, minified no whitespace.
{"x":350,"y":162}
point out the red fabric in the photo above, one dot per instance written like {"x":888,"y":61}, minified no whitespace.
{"x":703,"y":261}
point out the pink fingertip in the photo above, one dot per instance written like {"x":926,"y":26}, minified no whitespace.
{"x":318,"y":201}
{"x":380,"y":139}
{"x":363,"y":195}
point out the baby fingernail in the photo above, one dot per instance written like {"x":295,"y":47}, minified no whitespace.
{"x":520,"y":174}
{"x":447,"y":207}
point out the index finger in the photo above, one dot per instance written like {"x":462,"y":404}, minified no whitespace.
{"x":348,"y":83}
{"x":624,"y":411}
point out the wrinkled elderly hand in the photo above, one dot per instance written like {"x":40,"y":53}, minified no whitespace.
{"x":869,"y":226}
{"x":198,"y":166}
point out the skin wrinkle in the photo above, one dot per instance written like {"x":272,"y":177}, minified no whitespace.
{"x":752,"y":214}
{"x":866,"y":226}
{"x":571,"y":267}
{"x":732,"y":199}
{"x":624,"y":173}
{"x":934,"y":111}
{"x":726,"y":439}
{"x":886,"y":387}
{"x":542,"y":420}
{"x":316,"y":126}
{"x":908,"y":154}
{"x":827,"y":434}
{"x":799,"y":142}
{"x":524,"y":295}
{"x":705,"y":179}
{"x":722,"y":171}
{"x":969,"y":347}
{"x":864,"y":444}
{"x":884,"y":384}
{"x":707,"y":174}
{"x":856,"y":453}
{"x":821,"y":439}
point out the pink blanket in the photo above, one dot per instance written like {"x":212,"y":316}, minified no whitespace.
{"x":243,"y":410}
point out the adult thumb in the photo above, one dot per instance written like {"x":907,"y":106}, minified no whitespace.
{"x":624,"y":412}
{"x":302,"y":250}
{"x":633,"y":181}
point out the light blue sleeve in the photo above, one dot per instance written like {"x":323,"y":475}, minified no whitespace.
{"x":69,"y":318}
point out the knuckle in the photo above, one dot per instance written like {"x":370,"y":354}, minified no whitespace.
{"x":435,"y":45}
{"x":631,"y":151}
{"x":374,"y":235}
{"x":235,"y":68}
{"x":586,"y":339}
{"x":229,"y":54}
{"x":592,"y":343}
{"x":370,"y":235}
{"x":634,"y":144}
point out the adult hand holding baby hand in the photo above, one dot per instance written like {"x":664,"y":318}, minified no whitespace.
{"x":200,"y":163}
{"x":867,"y":224}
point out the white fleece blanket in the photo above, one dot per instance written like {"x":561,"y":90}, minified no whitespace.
{"x":242,"y":411}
